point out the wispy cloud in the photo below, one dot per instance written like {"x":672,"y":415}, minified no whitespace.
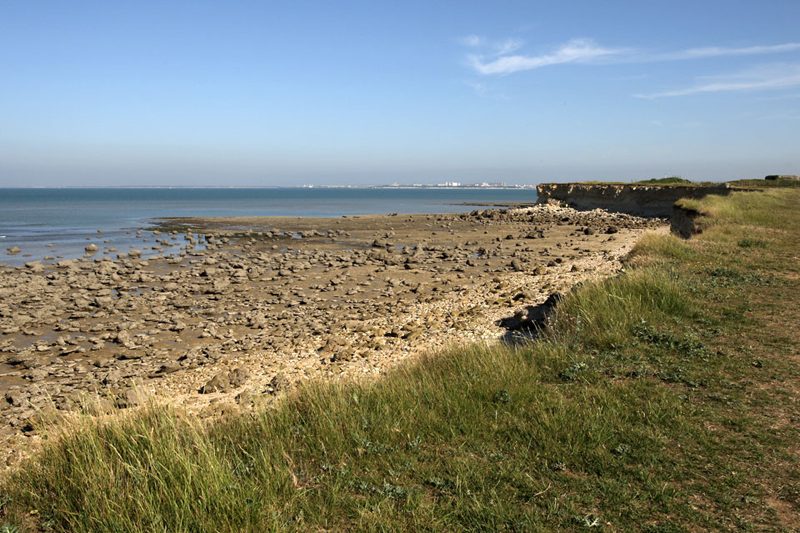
{"x":491,"y":48}
{"x":575,"y":51}
{"x":508,"y":46}
{"x":793,"y":96}
{"x":721,"y":51}
{"x":764,"y":78}
{"x":498,"y":58}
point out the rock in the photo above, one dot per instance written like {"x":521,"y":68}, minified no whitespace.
{"x":533,"y":318}
{"x":246,"y":397}
{"x":25,"y":359}
{"x":16,"y":398}
{"x":612,"y":229}
{"x":124,"y":338}
{"x":36,"y":374}
{"x":225,"y":381}
{"x":237,"y":377}
{"x":13,"y":250}
{"x":277,"y":384}
{"x":111,"y":377}
{"x":130,"y":398}
{"x":35,"y":266}
{"x":218,"y":383}
{"x":91,"y":248}
{"x":166,"y":368}
{"x":124,"y":356}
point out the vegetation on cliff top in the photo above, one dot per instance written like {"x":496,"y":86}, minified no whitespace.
{"x":671,"y":181}
{"x":665,"y":399}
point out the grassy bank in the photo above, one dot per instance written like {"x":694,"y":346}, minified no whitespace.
{"x":665,"y":399}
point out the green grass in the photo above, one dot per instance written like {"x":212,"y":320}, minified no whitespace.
{"x":671,"y":180}
{"x":655,"y":247}
{"x":665,"y":399}
{"x":758,"y":184}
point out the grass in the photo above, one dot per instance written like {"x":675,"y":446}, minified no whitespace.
{"x":655,"y":247}
{"x":742,"y":210}
{"x":764,"y":184}
{"x":665,"y":399}
{"x":671,"y":180}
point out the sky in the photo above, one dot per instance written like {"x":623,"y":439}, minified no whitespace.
{"x":259,"y":93}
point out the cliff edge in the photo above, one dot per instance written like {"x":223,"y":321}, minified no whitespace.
{"x":640,"y":200}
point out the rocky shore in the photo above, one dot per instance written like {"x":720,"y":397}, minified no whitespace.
{"x":251,"y":306}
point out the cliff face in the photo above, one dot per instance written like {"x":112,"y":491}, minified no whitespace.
{"x":641,"y":200}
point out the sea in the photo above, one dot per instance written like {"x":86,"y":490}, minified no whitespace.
{"x":53,"y":224}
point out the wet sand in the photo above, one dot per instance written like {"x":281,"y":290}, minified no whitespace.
{"x":251,"y":306}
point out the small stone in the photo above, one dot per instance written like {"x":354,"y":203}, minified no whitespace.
{"x":15,"y":398}
{"x":124,"y":356}
{"x":246,"y":397}
{"x":35,"y":266}
{"x":237,"y":377}
{"x":277,"y":384}
{"x":216,"y":384}
{"x":223,"y":382}
{"x":130,"y":398}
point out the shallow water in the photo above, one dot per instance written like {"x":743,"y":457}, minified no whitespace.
{"x":51,"y":224}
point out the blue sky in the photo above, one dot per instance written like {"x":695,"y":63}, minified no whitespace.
{"x":295,"y":92}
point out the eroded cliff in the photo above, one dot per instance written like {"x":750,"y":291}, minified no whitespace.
{"x":641,"y":200}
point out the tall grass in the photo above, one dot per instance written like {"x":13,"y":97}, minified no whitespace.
{"x":601,"y":315}
{"x":458,"y":441}
{"x":657,"y":247}
{"x":149,"y":471}
{"x":765,"y":209}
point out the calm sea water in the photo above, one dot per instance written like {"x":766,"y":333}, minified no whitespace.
{"x":51,"y":224}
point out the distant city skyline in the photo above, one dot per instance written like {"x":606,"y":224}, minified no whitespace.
{"x":370,"y":93}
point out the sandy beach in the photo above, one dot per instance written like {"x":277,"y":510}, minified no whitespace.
{"x":252,"y":306}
